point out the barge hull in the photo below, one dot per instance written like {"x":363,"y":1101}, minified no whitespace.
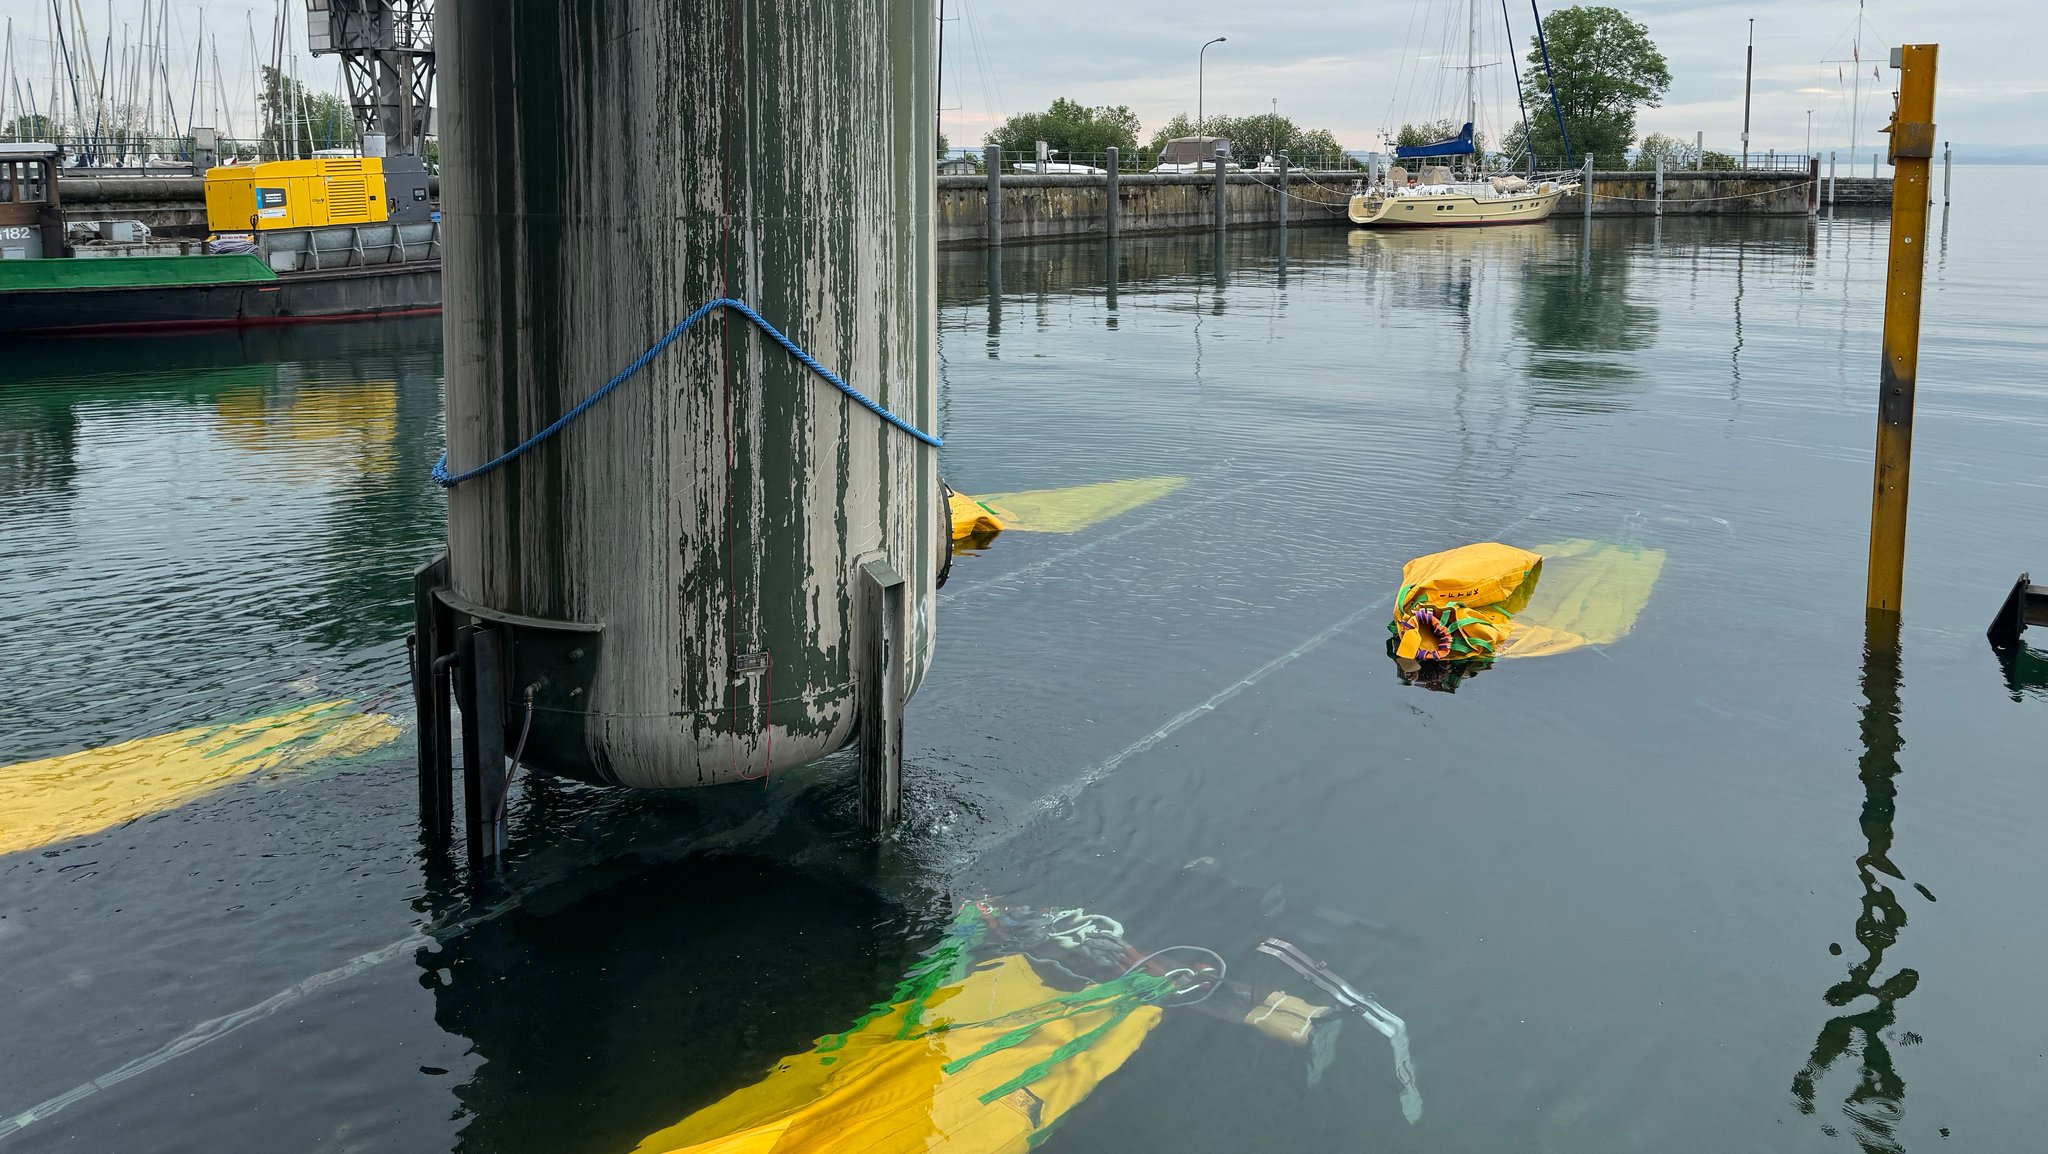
{"x":293,"y":298}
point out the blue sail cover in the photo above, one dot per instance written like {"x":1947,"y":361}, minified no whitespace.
{"x":1458,"y":145}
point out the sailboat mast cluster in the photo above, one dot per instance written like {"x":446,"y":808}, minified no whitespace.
{"x":131,"y":90}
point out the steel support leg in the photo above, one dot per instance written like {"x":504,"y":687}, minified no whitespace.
{"x":881,"y":653}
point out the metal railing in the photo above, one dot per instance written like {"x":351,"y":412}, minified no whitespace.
{"x":1024,"y":163}
{"x":139,"y":154}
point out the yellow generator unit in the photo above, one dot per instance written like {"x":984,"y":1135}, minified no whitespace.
{"x":296,"y":194}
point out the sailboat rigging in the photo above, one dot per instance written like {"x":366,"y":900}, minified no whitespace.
{"x":1432,"y":198}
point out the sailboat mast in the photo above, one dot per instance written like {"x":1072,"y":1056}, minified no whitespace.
{"x":1748,"y":71}
{"x":1856,"y":97}
{"x":939,"y":84}
{"x":1472,"y":76}
{"x":6,"y":80}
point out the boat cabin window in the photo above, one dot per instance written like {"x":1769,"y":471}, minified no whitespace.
{"x":22,"y":182}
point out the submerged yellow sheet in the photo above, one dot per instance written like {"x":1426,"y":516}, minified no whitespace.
{"x":1589,"y":593}
{"x":883,"y":1093}
{"x":75,"y":794}
{"x":1067,"y":510}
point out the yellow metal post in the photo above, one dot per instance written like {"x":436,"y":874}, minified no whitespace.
{"x":1912,"y":151}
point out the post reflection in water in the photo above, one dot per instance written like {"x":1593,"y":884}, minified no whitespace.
{"x":1221,"y":269}
{"x":993,"y":260}
{"x":1875,"y":1102}
{"x":1112,"y":272}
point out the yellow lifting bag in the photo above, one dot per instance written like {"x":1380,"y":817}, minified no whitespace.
{"x":1457,"y":605}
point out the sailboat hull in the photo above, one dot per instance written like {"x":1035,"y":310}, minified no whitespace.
{"x":1453,"y":210}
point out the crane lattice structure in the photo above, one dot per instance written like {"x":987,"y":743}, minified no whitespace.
{"x":387,"y":52}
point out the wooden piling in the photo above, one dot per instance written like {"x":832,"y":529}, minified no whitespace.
{"x":1912,"y":150}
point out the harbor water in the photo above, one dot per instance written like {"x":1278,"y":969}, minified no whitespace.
{"x":1752,"y":876}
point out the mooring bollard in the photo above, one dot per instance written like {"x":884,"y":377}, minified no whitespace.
{"x":1586,"y":189}
{"x":1660,"y":186}
{"x":1112,"y":201}
{"x":1813,"y":185}
{"x":1283,"y":190}
{"x":1912,"y":153}
{"x":1946,"y":157}
{"x":1831,"y":180}
{"x":993,"y":157}
{"x":1222,"y":188}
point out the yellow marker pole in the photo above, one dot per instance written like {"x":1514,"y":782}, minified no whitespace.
{"x":1912,"y":151}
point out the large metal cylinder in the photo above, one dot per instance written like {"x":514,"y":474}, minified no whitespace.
{"x":608,"y":166}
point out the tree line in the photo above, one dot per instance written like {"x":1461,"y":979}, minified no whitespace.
{"x":1076,"y":130}
{"x":1604,"y":64}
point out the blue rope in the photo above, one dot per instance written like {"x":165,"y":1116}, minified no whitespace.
{"x":447,"y":481}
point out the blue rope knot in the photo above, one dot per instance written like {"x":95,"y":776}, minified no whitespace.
{"x":448,"y":481}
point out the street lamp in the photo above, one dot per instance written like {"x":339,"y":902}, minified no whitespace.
{"x":1201,"y":65}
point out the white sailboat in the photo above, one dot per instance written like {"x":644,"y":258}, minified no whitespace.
{"x":1435,"y":197}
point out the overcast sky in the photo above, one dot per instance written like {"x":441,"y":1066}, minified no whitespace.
{"x":1353,"y":67}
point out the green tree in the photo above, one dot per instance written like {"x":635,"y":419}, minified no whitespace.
{"x":1606,"y":67}
{"x":1675,"y":153}
{"x":1254,"y":137}
{"x":297,"y":120}
{"x":1073,"y":129}
{"x":29,"y":128}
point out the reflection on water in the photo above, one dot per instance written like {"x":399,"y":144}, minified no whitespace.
{"x":745,"y":962}
{"x":1583,"y":324}
{"x":285,"y":495}
{"x":1875,"y":1098}
{"x":2026,"y":671}
{"x":1585,"y":884}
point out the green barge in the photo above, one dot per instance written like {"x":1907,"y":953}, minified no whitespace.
{"x":116,"y":280}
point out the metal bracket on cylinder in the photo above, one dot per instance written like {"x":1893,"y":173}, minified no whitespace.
{"x":493,"y":667}
{"x":881,"y":628}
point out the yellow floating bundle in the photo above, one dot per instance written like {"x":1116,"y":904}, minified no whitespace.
{"x":75,"y":794}
{"x":985,"y":1065}
{"x":1484,"y":601}
{"x":973,"y":520}
{"x":1067,"y":510}
{"x":1458,"y":605}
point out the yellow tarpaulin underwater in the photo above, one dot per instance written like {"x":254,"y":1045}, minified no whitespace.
{"x":983,"y":1064}
{"x":75,"y":794}
{"x":1479,"y":602}
{"x":1067,"y":510}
